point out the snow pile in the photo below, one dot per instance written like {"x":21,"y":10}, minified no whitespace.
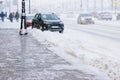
{"x":99,"y":52}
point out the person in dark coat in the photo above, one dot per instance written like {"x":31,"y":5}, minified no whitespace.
{"x":2,"y":16}
{"x":17,"y":16}
{"x":11,"y":17}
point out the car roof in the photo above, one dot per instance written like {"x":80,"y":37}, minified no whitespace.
{"x":30,"y":14}
{"x":86,"y":13}
{"x":45,"y":13}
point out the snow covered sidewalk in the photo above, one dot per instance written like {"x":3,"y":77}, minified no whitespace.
{"x":44,"y":64}
{"x":85,"y":48}
{"x":85,"y":51}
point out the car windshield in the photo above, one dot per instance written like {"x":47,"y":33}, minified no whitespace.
{"x":29,"y":17}
{"x":49,"y":17}
{"x":86,"y":15}
{"x":104,"y":13}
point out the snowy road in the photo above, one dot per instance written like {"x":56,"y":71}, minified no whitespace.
{"x":106,"y":31}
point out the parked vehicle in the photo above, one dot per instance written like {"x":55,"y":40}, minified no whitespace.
{"x":29,"y":18}
{"x":118,"y":16}
{"x":95,"y":14}
{"x":85,"y":18}
{"x":104,"y":16}
{"x":48,"y":21}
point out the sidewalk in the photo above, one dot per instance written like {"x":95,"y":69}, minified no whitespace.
{"x":24,"y":58}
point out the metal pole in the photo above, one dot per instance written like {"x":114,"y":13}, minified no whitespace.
{"x":62,"y":6}
{"x":81,"y":5}
{"x":9,"y":6}
{"x":6,"y":6}
{"x":115,"y":10}
{"x":116,"y":5}
{"x":95,"y":5}
{"x":112,"y":4}
{"x":23,"y":20}
{"x":87,"y":5}
{"x":101,"y":5}
{"x":17,"y":5}
{"x":29,"y":6}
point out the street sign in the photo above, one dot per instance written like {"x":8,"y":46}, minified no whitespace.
{"x":116,"y":3}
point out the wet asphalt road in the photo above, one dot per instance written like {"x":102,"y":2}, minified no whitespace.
{"x":24,"y":58}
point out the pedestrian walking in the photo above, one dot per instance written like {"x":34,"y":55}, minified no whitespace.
{"x":14,"y":14}
{"x":2,"y":16}
{"x":17,"y":16}
{"x":11,"y":17}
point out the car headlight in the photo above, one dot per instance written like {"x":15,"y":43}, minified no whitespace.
{"x":93,"y":19}
{"x":61,"y":22}
{"x":46,"y":22}
{"x":82,"y":19}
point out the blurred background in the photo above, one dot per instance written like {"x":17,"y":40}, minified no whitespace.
{"x":60,"y":6}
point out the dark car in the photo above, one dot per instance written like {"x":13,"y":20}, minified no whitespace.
{"x":48,"y":21}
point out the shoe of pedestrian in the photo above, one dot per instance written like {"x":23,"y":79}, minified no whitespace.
{"x":20,"y":33}
{"x":25,"y":33}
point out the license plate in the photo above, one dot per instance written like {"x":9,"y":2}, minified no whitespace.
{"x":54,"y":26}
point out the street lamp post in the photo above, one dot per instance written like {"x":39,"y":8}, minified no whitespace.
{"x":81,"y":5}
{"x":29,"y":6}
{"x":9,"y":5}
{"x":17,"y":6}
{"x":23,"y":19}
{"x":87,"y":5}
{"x":112,"y":4}
{"x":101,"y":5}
{"x":95,"y":5}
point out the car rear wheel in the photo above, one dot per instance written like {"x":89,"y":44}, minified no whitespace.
{"x":81,"y":23}
{"x":61,"y":31}
{"x":93,"y":22}
{"x":42,"y":28}
{"x":78,"y":22}
{"x":38,"y":27}
{"x":32,"y":25}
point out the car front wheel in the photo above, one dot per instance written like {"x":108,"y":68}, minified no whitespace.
{"x":42,"y":28}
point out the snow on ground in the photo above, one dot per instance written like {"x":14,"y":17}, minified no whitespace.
{"x":96,"y":46}
{"x":67,"y":48}
{"x":8,"y":24}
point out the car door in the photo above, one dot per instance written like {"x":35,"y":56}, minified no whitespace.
{"x":34,"y":19}
{"x":40,"y":20}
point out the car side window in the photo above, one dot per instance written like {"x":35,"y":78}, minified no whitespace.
{"x":80,"y":16}
{"x":36,"y":16}
{"x":39,"y":17}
